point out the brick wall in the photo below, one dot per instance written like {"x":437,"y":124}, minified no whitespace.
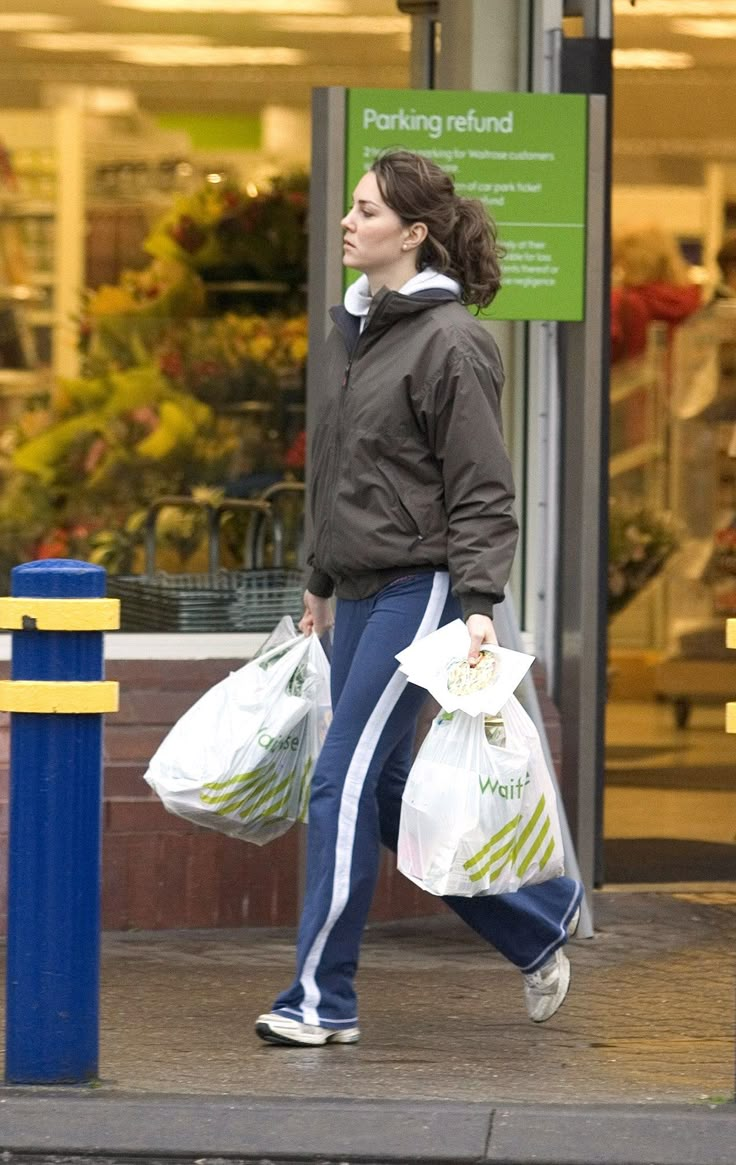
{"x":159,"y":871}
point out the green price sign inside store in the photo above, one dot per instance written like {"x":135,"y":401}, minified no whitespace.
{"x":522,"y":154}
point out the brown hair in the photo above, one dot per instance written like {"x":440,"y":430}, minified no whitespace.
{"x":461,"y":238}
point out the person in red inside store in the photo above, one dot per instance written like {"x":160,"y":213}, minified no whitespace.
{"x":650,"y":283}
{"x":413,"y":526}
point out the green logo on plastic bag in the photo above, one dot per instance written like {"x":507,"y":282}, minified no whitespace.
{"x":509,"y":791}
{"x":515,"y":844}
{"x":276,"y":787}
{"x":295,"y":686}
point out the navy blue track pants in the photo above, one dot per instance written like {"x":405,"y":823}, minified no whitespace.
{"x":356,"y":802}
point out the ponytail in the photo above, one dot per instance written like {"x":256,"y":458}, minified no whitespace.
{"x":461,"y":237}
{"x":477,"y":252}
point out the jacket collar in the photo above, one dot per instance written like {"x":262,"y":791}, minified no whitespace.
{"x":387,"y":307}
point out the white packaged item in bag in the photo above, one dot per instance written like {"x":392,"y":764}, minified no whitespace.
{"x":477,"y":818}
{"x":240,"y":760}
{"x":439,"y":663}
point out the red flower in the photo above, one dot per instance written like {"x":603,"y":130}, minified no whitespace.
{"x":188,"y":234}
{"x":95,"y":453}
{"x":295,"y":455}
{"x":145,"y":416}
{"x":55,"y":545}
{"x":207,"y":369}
{"x":171,"y":364}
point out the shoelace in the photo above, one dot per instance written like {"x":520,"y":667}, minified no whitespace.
{"x":541,"y":978}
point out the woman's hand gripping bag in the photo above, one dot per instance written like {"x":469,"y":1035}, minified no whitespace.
{"x":477,"y":818}
{"x":240,"y":760}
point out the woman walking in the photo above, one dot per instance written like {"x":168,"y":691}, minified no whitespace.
{"x":412,"y":508}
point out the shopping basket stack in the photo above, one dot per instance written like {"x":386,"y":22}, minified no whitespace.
{"x":252,"y":599}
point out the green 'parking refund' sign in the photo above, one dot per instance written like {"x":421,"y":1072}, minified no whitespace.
{"x":522,"y":154}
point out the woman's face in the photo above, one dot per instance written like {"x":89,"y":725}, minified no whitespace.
{"x":376,"y":241}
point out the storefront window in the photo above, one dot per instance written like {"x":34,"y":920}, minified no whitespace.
{"x":670,"y":798}
{"x":153,"y":283}
{"x":190,"y":386}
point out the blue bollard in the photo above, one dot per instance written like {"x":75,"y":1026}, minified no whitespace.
{"x":56,"y":697}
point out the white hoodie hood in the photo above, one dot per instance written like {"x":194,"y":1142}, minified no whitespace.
{"x":358,"y":296}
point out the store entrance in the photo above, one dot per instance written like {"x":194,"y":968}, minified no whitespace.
{"x":670,"y":801}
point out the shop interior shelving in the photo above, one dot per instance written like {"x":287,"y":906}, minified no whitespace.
{"x":42,"y":239}
{"x":72,"y":181}
{"x":701,"y":589}
{"x":638,"y":473}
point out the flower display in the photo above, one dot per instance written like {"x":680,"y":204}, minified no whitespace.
{"x":121,"y":323}
{"x":176,"y":395}
{"x":102,"y":451}
{"x":216,"y":358}
{"x":639,"y":544}
{"x":258,"y":233}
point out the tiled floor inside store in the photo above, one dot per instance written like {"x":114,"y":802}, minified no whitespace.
{"x":670,"y":799}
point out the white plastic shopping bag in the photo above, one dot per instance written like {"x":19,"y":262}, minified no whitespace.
{"x":477,"y":818}
{"x":240,"y":760}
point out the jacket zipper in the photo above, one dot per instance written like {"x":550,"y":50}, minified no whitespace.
{"x":340,"y":417}
{"x":338,"y":445}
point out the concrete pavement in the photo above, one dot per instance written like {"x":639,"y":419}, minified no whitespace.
{"x":636,"y":1069}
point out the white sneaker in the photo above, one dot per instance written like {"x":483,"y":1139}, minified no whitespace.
{"x":545,"y":989}
{"x":279,"y":1029}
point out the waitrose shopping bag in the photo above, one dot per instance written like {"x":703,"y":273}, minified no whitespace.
{"x":477,"y":818}
{"x":240,"y":760}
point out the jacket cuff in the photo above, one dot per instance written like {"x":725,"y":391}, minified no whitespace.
{"x":320,"y":584}
{"x":475,"y":603}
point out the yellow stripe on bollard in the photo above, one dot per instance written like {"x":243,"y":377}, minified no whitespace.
{"x":72,"y":696}
{"x":18,"y":614}
{"x":731,"y":717}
